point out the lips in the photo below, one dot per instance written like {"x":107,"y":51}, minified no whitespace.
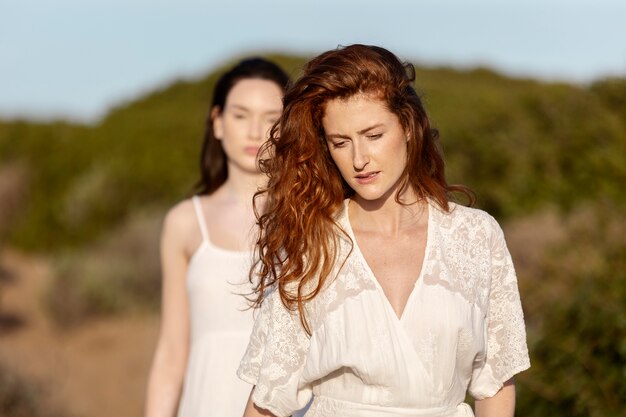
{"x":367,"y":177}
{"x":251,"y":150}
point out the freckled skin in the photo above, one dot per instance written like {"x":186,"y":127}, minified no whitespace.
{"x":364,"y":137}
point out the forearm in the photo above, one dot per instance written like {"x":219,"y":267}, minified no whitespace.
{"x":164,"y":387}
{"x":500,"y":405}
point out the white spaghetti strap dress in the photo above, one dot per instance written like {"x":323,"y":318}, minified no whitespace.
{"x":220,"y":329}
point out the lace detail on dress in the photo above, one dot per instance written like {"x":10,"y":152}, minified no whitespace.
{"x":459,"y":258}
{"x":275,"y":357}
{"x":507,"y":353}
{"x":251,"y":362}
{"x":346,"y":283}
{"x":468,"y":256}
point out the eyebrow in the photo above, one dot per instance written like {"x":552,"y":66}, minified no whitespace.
{"x":360,"y":132}
{"x":244,"y":108}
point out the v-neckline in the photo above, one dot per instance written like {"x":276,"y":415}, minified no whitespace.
{"x":370,"y":273}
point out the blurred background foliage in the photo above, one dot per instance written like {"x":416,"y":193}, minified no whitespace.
{"x":18,"y":398}
{"x":547,"y":159}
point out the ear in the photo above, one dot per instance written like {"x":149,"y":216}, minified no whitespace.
{"x":218,"y":123}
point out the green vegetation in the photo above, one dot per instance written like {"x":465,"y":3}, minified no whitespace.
{"x":19,"y":398}
{"x":118,"y":273}
{"x":574,"y":297}
{"x":531,"y":151}
{"x":83,"y":180}
{"x":522,"y":145}
{"x":519,"y":144}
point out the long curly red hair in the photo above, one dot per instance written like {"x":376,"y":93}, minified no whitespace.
{"x":297,"y":246}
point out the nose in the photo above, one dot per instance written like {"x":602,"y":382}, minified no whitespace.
{"x":360,"y":156}
{"x":255,"y":129}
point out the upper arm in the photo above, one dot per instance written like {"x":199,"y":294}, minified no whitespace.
{"x":500,"y":405}
{"x":174,"y":262}
{"x":170,"y":359}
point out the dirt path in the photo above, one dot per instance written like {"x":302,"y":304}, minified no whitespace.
{"x":99,"y":369}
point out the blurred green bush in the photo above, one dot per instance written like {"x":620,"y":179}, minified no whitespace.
{"x":118,"y":273}
{"x":576,"y":315}
{"x":520,"y":144}
{"x":19,"y":398}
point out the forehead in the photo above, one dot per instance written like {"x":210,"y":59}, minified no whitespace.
{"x":254,"y":92}
{"x":355,"y":113}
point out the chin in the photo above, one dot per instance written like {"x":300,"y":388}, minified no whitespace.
{"x":370,"y":195}
{"x":249,"y":166}
{"x":377,"y":193}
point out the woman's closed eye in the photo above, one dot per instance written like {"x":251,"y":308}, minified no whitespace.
{"x":338,"y":144}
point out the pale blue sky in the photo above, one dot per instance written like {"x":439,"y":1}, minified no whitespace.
{"x":76,"y":58}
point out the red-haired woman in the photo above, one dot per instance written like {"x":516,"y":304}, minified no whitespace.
{"x":378,"y":295}
{"x":206,"y":254}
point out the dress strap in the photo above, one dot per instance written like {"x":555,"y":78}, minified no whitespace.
{"x":200,"y":216}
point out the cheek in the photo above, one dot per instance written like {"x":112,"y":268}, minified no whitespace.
{"x":342,"y":162}
{"x":233,"y":129}
{"x":400,"y":149}
{"x":269,"y":130}
{"x":336,"y":157}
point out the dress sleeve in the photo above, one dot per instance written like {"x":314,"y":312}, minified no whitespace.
{"x":506,"y":351}
{"x":275,"y":358}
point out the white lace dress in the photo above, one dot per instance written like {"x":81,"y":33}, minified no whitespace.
{"x":461,"y":331}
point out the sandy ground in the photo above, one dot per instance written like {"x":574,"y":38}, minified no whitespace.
{"x":99,"y":369}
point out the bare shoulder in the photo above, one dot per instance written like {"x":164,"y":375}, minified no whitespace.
{"x":180,"y":224}
{"x":181,"y":216}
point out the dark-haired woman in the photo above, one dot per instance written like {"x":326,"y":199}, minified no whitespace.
{"x":378,"y":295}
{"x":206,"y":254}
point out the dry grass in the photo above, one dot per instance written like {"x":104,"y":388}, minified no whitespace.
{"x":119,"y":273}
{"x":20,"y":398}
{"x":13,"y":193}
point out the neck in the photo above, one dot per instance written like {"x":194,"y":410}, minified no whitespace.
{"x":386,"y":215}
{"x":242,"y":185}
